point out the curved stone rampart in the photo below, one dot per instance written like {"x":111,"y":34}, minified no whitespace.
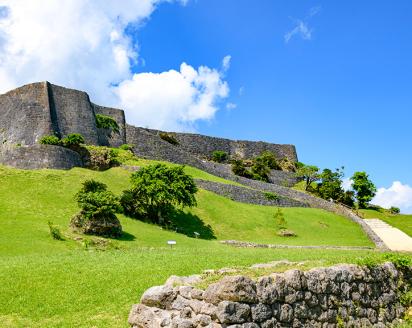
{"x":340,"y":296}
{"x":39,"y":157}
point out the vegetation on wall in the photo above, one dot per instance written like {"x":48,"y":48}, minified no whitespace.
{"x":50,"y":140}
{"x":107,"y":122}
{"x":219,"y":156}
{"x":168,"y":137}
{"x":72,"y":141}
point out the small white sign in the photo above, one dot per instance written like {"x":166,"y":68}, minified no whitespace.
{"x":171,"y":242}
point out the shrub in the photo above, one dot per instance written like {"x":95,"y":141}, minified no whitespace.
{"x":73,"y":140}
{"x":50,"y":140}
{"x":156,"y":191}
{"x":126,"y":147}
{"x":394,"y":210}
{"x":102,"y":158}
{"x":239,"y":168}
{"x":219,"y":156}
{"x":271,"y":196}
{"x":169,"y":138}
{"x":279,"y":218}
{"x":285,"y":164}
{"x":269,"y":159}
{"x":107,"y":122}
{"x":98,"y":207}
{"x":54,"y":231}
{"x":260,"y":171}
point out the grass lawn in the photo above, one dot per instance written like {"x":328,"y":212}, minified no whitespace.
{"x":49,"y":283}
{"x":401,"y":221}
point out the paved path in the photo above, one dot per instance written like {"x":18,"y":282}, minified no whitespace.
{"x":395,"y":239}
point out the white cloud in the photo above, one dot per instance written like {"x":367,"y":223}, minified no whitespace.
{"x":302,"y":28}
{"x":84,"y":45}
{"x":399,"y":195}
{"x":347,"y":184}
{"x":231,"y":106}
{"x":174,"y":100}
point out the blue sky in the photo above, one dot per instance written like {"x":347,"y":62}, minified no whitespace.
{"x":332,"y":78}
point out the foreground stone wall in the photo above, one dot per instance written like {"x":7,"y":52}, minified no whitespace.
{"x":339,"y":296}
{"x":39,"y":157}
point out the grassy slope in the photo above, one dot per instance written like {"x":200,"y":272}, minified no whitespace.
{"x":48,"y":283}
{"x":400,"y":221}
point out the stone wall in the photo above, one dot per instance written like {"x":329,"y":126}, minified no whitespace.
{"x":339,"y":296}
{"x":247,"y":195}
{"x":106,"y":137}
{"x":39,"y":157}
{"x":203,"y":146}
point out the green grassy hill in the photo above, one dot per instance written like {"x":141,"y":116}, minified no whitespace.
{"x":401,"y":221}
{"x":49,"y":283}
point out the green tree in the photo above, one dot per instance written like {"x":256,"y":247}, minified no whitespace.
{"x":330,"y":186}
{"x":309,"y":173}
{"x":364,"y":188}
{"x":156,"y":190}
{"x":219,"y":156}
{"x":269,"y":159}
{"x":260,"y":170}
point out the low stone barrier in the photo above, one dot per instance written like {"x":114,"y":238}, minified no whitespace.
{"x":339,"y":296}
{"x":248,"y":195}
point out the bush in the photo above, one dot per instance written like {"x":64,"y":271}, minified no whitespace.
{"x":50,"y":140}
{"x":219,"y":156}
{"x":107,"y":122}
{"x":271,"y":196}
{"x":394,"y":210}
{"x":126,"y":147}
{"x":98,"y":207}
{"x":269,"y":159}
{"x":102,"y":158}
{"x":169,"y":138}
{"x":73,"y":140}
{"x":260,"y":171}
{"x":54,"y":231}
{"x":156,"y":191}
{"x":285,"y":164}
{"x":280,"y":220}
{"x":239,"y":168}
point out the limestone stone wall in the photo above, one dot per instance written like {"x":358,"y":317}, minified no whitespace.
{"x":203,"y":146}
{"x":39,"y":157}
{"x":339,"y":296}
{"x":25,"y":115}
{"x":107,"y":138}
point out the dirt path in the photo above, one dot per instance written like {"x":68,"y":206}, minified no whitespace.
{"x":394,"y":239}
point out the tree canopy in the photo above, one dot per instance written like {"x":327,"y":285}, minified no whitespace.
{"x":364,"y":188}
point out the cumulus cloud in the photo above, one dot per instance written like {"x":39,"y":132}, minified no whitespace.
{"x":301,"y":26}
{"x":84,"y":45}
{"x":173,"y":99}
{"x":347,"y":184}
{"x":399,"y":195}
{"x":231,"y":106}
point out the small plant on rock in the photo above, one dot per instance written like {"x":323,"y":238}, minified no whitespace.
{"x":170,"y":138}
{"x":282,"y":225}
{"x":126,"y":147}
{"x":271,"y":196}
{"x":73,"y":140}
{"x":50,"y":140}
{"x":107,"y":122}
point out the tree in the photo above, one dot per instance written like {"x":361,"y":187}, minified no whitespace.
{"x":98,"y":210}
{"x":260,"y":170}
{"x":239,"y":168}
{"x":330,"y":186}
{"x":394,"y":210}
{"x":269,"y":159}
{"x":219,"y":156}
{"x":364,"y":188}
{"x":309,"y":173}
{"x":156,"y":190}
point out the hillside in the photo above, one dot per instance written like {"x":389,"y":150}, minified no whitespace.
{"x":49,"y":283}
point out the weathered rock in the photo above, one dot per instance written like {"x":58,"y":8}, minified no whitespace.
{"x":232,"y":312}
{"x":159,"y":296}
{"x":261,"y":312}
{"x":107,"y":226}
{"x":231,"y":288}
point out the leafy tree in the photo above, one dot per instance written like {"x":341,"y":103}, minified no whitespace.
{"x":330,"y":186}
{"x":239,"y":168}
{"x":309,"y":173}
{"x":260,"y":170}
{"x":156,"y":190}
{"x":364,"y":188}
{"x":394,"y":210}
{"x":219,"y":156}
{"x":107,"y":122}
{"x":269,"y":159}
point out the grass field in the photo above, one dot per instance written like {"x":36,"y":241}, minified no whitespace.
{"x":49,"y":283}
{"x":401,"y":221}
